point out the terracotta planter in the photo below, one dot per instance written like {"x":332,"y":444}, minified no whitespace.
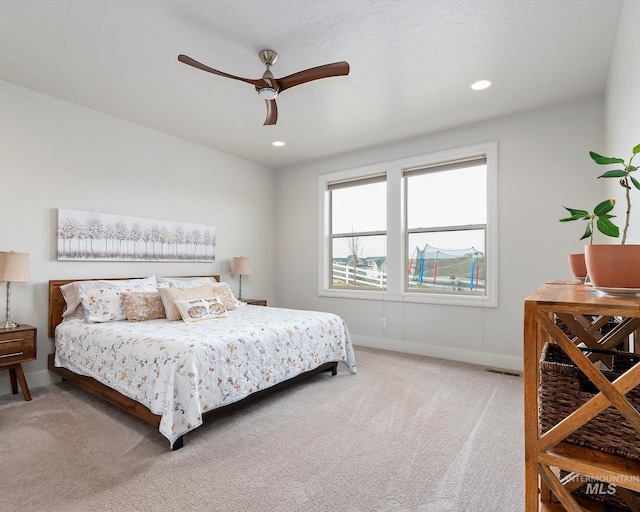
{"x":613,"y":266}
{"x":578,"y":265}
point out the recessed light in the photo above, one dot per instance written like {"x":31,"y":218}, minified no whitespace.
{"x":481,"y":84}
{"x":278,"y":143}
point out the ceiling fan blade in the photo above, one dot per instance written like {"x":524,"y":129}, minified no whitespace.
{"x":196,"y":64}
{"x":272,"y":112}
{"x":326,"y":71}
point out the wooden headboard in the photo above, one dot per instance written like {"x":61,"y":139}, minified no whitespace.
{"x":57,"y":304}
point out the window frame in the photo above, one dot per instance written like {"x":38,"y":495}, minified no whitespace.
{"x":446,"y":166}
{"x":397,"y":237}
{"x":347,"y":183}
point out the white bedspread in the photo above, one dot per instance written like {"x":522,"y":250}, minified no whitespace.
{"x":181,"y":370}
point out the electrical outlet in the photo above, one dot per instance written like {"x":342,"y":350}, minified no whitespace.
{"x":383,"y":322}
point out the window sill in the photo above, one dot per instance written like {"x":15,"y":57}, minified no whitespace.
{"x":414,"y":298}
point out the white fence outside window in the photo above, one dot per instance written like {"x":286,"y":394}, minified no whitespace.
{"x":344,"y":275}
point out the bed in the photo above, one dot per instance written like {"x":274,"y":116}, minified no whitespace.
{"x":174,"y":373}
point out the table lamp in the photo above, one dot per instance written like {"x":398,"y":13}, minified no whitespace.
{"x":240,"y":267}
{"x":14,"y":266}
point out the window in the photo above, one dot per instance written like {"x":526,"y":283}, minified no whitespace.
{"x":420,"y":229}
{"x":358,"y":233}
{"x":446,"y":224}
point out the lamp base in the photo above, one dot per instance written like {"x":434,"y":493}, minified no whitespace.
{"x":8,"y":325}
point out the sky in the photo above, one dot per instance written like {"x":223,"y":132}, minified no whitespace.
{"x":434,"y":199}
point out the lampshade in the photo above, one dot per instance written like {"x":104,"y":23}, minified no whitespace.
{"x":240,"y":265}
{"x":14,"y":266}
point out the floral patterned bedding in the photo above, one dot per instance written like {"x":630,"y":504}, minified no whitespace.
{"x":181,"y":370}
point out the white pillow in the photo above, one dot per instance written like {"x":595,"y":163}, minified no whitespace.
{"x":201,"y":309}
{"x":185,"y":282}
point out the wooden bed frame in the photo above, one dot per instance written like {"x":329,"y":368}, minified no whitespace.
{"x":56,"y":307}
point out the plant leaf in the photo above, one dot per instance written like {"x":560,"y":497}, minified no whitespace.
{"x":635,"y":182}
{"x":587,"y":232}
{"x":575,"y":214}
{"x":604,"y":160}
{"x":618,"y":173}
{"x":636,"y":149}
{"x":569,"y":219}
{"x":606,"y":227}
{"x":575,"y":211}
{"x":604,"y":207}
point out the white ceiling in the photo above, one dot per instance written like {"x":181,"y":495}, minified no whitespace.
{"x":412,"y":62}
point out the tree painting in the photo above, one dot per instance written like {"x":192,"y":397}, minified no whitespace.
{"x":91,"y":236}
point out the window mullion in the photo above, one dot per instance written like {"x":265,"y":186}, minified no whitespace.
{"x":395,"y":244}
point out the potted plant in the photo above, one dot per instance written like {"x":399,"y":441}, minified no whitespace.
{"x":600,"y":219}
{"x":616,"y":268}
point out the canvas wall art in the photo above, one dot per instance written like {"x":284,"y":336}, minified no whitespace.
{"x":93,"y":236}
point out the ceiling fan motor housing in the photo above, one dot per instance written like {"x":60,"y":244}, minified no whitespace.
{"x":268,"y":58}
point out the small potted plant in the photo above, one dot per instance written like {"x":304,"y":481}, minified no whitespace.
{"x":616,"y":267}
{"x":600,"y":219}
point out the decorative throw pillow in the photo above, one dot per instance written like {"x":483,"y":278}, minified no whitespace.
{"x":141,"y":306}
{"x":201,"y":309}
{"x":170,"y":295}
{"x":102,"y":305}
{"x":223,"y":291}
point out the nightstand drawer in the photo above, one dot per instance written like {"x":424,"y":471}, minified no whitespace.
{"x":17,"y":346}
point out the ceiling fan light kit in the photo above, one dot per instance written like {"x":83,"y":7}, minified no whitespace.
{"x":269,"y":87}
{"x":266,"y":93}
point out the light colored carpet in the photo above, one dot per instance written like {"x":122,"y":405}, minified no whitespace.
{"x":407,"y":433}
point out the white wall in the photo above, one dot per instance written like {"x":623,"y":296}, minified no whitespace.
{"x":57,"y":155}
{"x":622,"y":100}
{"x":542,"y":158}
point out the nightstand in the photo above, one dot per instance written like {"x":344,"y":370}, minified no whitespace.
{"x":255,"y":302}
{"x":17,"y":346}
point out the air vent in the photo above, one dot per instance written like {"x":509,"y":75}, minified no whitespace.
{"x":511,"y":373}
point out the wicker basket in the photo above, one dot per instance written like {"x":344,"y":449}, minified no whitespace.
{"x":563,"y":388}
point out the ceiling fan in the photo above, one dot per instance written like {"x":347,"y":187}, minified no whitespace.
{"x":268,"y":86}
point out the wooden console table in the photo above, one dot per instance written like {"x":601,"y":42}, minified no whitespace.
{"x":583,"y":311}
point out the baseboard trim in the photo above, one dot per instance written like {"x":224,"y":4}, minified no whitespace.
{"x":34,"y":380}
{"x":454,"y":354}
